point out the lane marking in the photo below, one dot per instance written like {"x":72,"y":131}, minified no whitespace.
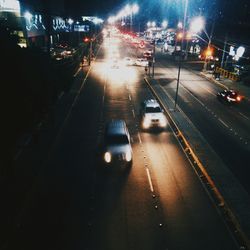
{"x":223,"y":123}
{"x":139,"y":137}
{"x":150,"y":180}
{"x":77,"y":71}
{"x":244,"y":116}
{"x":133,"y":113}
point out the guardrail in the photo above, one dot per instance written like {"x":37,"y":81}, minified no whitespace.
{"x":227,"y":74}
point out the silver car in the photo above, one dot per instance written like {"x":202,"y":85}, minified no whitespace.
{"x":117,"y":145}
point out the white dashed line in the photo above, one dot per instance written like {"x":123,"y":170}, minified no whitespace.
{"x":244,"y":116}
{"x":150,"y":180}
{"x":139,"y":137}
{"x":133,"y":113}
{"x":223,"y":123}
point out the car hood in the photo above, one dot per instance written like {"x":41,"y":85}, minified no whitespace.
{"x":154,"y":116}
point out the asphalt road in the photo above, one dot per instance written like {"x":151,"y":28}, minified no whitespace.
{"x":159,"y":204}
{"x":225,"y":127}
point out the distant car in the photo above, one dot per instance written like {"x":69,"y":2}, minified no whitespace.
{"x":128,"y":61}
{"x":141,"y":62}
{"x":117,"y":149}
{"x":152,"y":115}
{"x":229,"y":96}
{"x":147,"y":54}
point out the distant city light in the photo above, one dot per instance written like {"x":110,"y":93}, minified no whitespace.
{"x":197,"y":24}
{"x":164,"y":24}
{"x":9,"y":6}
{"x":70,"y":21}
{"x":135,"y":8}
{"x":179,"y":25}
{"x":28,"y":15}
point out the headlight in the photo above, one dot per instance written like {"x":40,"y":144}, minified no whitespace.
{"x":146,"y":123}
{"x":107,"y":157}
{"x":128,"y":156}
{"x":163,"y":122}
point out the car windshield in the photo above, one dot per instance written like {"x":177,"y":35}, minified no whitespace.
{"x":153,"y":109}
{"x":117,"y":139}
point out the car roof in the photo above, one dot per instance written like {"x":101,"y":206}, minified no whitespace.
{"x":116,"y":127}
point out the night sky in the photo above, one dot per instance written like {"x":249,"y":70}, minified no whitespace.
{"x":230,"y":16}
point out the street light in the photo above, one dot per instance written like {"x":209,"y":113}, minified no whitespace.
{"x":132,"y":10}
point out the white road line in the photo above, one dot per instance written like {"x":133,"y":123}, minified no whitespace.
{"x":223,"y":123}
{"x":139,"y":137}
{"x":150,"y":180}
{"x":77,"y":71}
{"x":133,"y":113}
{"x":244,"y":116}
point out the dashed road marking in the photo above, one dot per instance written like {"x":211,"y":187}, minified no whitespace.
{"x":139,"y":138}
{"x":133,"y":113}
{"x":150,"y":180}
{"x":223,"y":123}
{"x":244,"y":116}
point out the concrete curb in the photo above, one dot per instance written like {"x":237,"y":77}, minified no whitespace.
{"x":187,"y":148}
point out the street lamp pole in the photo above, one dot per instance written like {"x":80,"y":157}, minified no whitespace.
{"x":180,"y":57}
{"x":206,"y":61}
{"x":153,"y":69}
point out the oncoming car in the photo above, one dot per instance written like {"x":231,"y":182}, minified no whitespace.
{"x":117,"y":148}
{"x":229,"y":96}
{"x":152,"y":115}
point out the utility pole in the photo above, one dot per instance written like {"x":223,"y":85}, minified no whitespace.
{"x":224,"y":51}
{"x":206,"y":61}
{"x":90,"y":50}
{"x":153,"y":69}
{"x":180,"y":57}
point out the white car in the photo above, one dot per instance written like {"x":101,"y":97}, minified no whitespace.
{"x":152,"y":115}
{"x":141,"y":62}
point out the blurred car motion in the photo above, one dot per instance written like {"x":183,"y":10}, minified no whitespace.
{"x":117,"y":148}
{"x":229,"y":96}
{"x":152,"y":115}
